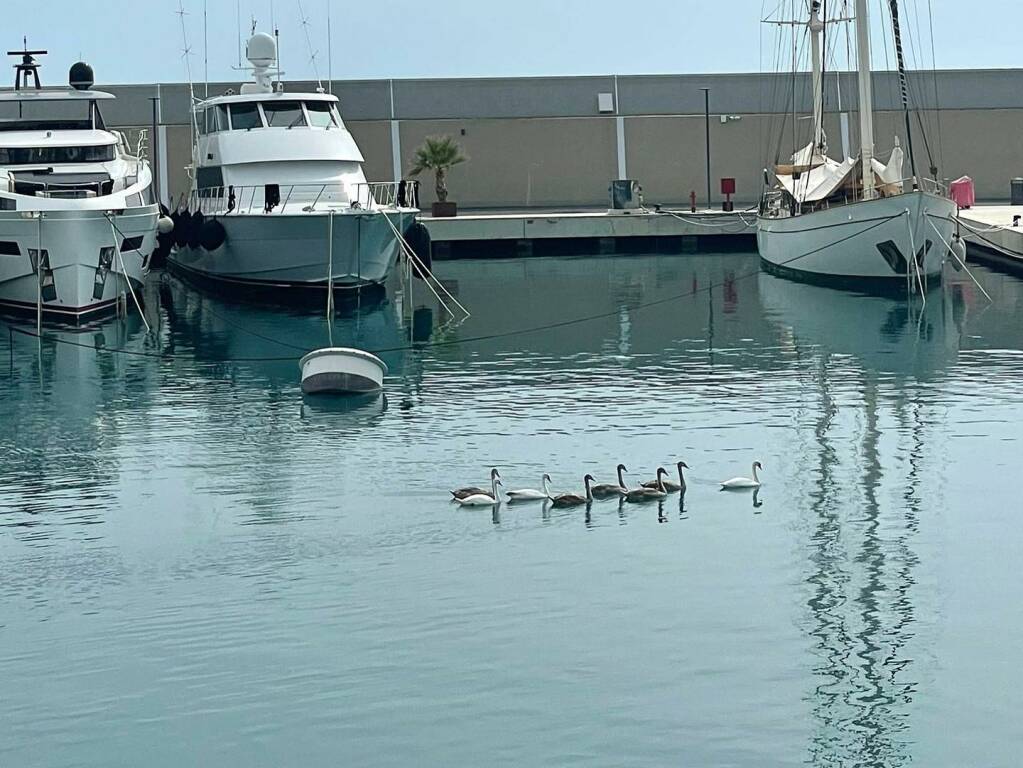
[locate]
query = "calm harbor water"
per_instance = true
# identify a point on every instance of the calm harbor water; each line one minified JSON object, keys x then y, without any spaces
{"x":201,"y":568}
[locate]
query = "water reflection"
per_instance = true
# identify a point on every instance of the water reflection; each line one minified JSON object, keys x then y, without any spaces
{"x":861,"y":600}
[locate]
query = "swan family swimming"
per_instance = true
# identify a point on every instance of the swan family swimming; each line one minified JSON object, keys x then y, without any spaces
{"x":653,"y":490}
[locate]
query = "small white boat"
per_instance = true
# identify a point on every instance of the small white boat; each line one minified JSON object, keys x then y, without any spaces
{"x":341,"y":370}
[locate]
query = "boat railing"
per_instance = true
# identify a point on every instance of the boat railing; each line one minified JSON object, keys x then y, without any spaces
{"x":294,"y":198}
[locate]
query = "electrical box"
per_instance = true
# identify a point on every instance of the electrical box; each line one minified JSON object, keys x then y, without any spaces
{"x":606,"y":103}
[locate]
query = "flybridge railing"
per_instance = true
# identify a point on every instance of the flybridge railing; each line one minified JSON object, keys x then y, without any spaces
{"x":303,"y":198}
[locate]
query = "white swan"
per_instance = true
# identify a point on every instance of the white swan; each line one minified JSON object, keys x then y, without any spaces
{"x":741,"y":483}
{"x":484,"y":499}
{"x":464,"y":493}
{"x":528,"y":494}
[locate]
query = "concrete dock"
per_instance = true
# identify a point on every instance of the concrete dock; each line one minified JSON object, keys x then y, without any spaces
{"x":526,"y":233}
{"x":995,"y":234}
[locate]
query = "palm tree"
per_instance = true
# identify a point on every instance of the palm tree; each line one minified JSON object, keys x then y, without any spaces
{"x":438,"y":154}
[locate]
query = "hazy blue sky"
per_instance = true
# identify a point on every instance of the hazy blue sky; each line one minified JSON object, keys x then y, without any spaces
{"x":141,"y":40}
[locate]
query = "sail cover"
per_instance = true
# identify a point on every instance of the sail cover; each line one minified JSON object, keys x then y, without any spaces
{"x":813,"y":177}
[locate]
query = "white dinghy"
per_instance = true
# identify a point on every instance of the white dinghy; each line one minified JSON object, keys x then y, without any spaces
{"x":342,"y":371}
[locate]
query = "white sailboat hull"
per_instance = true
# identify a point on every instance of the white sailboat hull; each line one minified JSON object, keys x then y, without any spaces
{"x":866,"y":245}
{"x":87,"y":265}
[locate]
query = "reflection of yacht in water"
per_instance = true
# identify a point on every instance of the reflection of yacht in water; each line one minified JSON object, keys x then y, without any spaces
{"x":270,"y":343}
{"x":77,"y":222}
{"x":280,"y":199}
{"x":882,"y":334}
{"x":56,"y":401}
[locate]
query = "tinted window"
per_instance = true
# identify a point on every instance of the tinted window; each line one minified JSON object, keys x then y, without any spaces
{"x":222,"y":124}
{"x":283,"y":114}
{"x":55,"y":155}
{"x":321,"y":114}
{"x":245,"y":116}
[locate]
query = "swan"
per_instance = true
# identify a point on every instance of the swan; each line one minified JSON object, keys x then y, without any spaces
{"x":649,"y":494}
{"x":740,"y":483}
{"x":670,"y":486}
{"x":574,"y":499}
{"x":464,"y":493}
{"x":529,"y":494}
{"x":484,"y":499}
{"x":607,"y":491}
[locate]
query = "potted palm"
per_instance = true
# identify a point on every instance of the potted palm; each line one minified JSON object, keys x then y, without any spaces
{"x":439,"y":154}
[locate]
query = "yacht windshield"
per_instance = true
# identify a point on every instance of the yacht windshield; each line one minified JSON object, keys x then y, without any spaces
{"x":283,"y":114}
{"x":55,"y":155}
{"x":245,"y":116}
{"x":321,"y":115}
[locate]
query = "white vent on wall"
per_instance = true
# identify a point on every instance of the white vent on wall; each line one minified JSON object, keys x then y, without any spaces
{"x":606,"y":103}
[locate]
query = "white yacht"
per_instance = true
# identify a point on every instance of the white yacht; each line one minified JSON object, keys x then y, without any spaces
{"x":279,"y":203}
{"x":858,"y":223}
{"x":77,"y":218}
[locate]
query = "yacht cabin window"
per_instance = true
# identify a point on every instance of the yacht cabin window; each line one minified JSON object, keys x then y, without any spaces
{"x":55,"y":155}
{"x":221,"y":121}
{"x":283,"y":114}
{"x":321,"y":114}
{"x":245,"y":116}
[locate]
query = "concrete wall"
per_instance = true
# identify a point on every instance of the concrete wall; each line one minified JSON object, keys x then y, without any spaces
{"x":543,"y":141}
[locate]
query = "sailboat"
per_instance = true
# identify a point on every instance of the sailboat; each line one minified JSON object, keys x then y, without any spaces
{"x":859,"y":223}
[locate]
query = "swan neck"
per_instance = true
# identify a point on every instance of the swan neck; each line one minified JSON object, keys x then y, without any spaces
{"x":621,"y":478}
{"x":756,"y":478}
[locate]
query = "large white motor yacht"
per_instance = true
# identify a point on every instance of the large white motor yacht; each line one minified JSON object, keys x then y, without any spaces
{"x":279,"y":203}
{"x":77,"y":219}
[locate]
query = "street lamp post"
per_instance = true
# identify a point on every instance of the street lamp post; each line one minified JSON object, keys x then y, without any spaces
{"x":706,"y":117}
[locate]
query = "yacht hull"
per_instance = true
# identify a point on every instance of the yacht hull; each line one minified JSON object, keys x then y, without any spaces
{"x":867,"y":245}
{"x":287,"y":256}
{"x":88,"y":261}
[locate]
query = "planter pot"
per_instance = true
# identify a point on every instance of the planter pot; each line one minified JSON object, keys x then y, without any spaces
{"x":445,"y":210}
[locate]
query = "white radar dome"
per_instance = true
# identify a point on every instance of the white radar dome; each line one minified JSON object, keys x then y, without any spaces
{"x":261,"y":50}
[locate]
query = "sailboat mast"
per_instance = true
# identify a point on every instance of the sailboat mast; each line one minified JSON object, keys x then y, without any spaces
{"x":903,"y":84}
{"x":866,"y":100}
{"x":816,"y":28}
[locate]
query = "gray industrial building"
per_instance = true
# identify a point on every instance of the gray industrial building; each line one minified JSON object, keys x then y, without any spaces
{"x":558,"y":141}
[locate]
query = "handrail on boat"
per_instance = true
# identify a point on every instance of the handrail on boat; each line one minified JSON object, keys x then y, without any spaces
{"x":370,"y":196}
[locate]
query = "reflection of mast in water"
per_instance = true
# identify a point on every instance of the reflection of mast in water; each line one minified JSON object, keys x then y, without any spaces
{"x":860,"y":609}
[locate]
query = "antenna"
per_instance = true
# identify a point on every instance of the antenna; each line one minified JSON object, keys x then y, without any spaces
{"x":205,"y":50}
{"x":277,"y":40}
{"x":28,"y":68}
{"x":309,"y":45}
{"x":186,"y":52}
{"x":330,"y":57}
{"x":238,"y":11}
